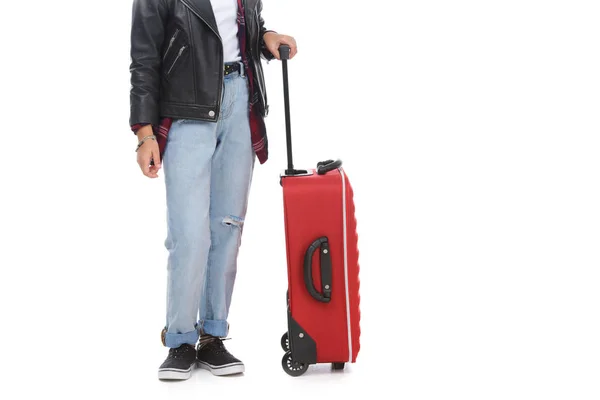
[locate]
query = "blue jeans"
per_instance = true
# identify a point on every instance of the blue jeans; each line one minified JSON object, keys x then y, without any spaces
{"x":208,"y":169}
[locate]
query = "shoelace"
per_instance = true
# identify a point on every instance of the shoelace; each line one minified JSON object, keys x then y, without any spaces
{"x":216,"y":345}
{"x":179,"y":351}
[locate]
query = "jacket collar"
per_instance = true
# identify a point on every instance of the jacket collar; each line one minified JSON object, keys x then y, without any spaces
{"x":203,"y":9}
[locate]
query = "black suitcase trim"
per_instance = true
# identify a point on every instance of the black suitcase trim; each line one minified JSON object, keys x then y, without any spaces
{"x":302,"y":346}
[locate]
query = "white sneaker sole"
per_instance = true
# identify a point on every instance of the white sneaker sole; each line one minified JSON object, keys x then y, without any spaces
{"x":221,"y":370}
{"x":174,"y":374}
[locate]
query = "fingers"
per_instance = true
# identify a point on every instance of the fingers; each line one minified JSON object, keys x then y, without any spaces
{"x":274,"y":45}
{"x":156,"y":157}
{"x":275,"y":52}
{"x":144,"y":163}
{"x":149,"y":160}
{"x":153,"y":171}
{"x":155,"y":167}
{"x":290,"y":41}
{"x":293,"y":49}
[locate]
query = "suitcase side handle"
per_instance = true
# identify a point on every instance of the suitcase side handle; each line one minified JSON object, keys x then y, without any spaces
{"x":322,"y":244}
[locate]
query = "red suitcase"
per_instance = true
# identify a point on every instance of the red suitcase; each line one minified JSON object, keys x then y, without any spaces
{"x":323,"y":301}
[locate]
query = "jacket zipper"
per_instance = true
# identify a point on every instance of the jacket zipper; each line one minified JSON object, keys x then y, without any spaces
{"x":221,"y":56}
{"x":176,"y":58}
{"x":171,"y":43}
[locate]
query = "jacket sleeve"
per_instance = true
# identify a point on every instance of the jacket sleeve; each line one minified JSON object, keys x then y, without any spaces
{"x":262,"y":30}
{"x":149,"y":18}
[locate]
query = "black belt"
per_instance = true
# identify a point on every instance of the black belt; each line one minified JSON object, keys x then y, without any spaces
{"x":232,"y":67}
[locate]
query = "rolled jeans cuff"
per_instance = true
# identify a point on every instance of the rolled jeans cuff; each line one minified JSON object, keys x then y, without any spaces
{"x":216,"y":328}
{"x":174,"y":340}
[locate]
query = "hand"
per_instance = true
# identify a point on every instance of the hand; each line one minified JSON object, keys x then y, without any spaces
{"x":274,"y":40}
{"x":148,"y":152}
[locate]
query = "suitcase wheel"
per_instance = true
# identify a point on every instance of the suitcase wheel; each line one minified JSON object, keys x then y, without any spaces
{"x":338,"y":366}
{"x":285,"y":342}
{"x":292,"y":368}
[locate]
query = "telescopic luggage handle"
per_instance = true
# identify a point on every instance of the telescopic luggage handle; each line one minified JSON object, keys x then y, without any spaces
{"x":322,"y":167}
{"x":284,"y":52}
{"x":284,"y":55}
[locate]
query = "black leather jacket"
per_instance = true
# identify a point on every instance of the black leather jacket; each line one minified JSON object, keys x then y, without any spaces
{"x":177,"y":59}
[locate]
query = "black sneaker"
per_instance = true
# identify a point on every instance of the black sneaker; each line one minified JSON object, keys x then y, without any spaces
{"x":214,"y":357}
{"x":179,"y":363}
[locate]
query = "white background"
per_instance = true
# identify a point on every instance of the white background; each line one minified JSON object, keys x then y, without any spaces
{"x":469,"y":130}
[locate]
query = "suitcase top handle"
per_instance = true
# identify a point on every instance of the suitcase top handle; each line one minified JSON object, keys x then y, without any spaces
{"x":324,"y":167}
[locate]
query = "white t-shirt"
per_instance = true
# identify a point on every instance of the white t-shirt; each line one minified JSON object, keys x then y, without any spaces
{"x":226,"y":16}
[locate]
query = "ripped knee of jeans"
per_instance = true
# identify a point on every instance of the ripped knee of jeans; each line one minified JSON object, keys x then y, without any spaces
{"x":233,"y":221}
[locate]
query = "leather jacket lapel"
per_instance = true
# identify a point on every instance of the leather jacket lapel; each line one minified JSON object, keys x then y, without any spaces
{"x":204,"y":10}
